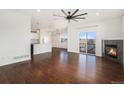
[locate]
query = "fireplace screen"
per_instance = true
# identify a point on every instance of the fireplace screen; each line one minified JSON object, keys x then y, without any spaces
{"x":111,"y":50}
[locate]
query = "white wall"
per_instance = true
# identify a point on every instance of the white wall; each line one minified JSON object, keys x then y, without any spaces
{"x":43,"y":46}
{"x":56,"y":40}
{"x":106,"y":29}
{"x":112,"y":28}
{"x":14,"y":38}
{"x":61,"y":27}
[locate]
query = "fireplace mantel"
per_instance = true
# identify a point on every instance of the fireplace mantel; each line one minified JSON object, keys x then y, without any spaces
{"x":113,"y":39}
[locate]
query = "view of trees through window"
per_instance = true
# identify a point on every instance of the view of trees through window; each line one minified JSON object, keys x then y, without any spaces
{"x":87,"y":42}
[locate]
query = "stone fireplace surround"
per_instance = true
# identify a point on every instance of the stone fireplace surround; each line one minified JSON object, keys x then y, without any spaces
{"x":119,"y":44}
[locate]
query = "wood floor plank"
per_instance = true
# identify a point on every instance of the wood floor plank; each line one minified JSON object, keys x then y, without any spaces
{"x":62,"y":67}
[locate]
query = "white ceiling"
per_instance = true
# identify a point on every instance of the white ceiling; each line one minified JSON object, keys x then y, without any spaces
{"x":46,"y":18}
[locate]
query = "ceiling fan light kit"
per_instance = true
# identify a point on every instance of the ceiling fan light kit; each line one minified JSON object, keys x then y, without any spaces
{"x":71,"y":16}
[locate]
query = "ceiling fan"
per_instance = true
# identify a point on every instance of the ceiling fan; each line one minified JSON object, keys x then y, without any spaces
{"x":72,"y":16}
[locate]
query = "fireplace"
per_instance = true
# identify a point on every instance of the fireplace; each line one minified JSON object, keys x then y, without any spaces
{"x":111,"y":51}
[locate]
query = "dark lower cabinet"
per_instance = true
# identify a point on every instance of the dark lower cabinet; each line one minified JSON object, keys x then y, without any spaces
{"x":32,"y":51}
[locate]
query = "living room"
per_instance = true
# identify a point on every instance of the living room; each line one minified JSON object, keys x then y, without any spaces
{"x":40,"y":42}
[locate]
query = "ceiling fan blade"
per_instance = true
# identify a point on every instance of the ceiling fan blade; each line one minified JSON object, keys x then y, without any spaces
{"x":75,"y":20}
{"x":80,"y":15}
{"x":79,"y":18}
{"x":64,"y":12}
{"x":75,"y":12}
{"x":58,"y":15}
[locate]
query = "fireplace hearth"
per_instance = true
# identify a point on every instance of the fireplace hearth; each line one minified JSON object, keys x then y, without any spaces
{"x":113,"y":50}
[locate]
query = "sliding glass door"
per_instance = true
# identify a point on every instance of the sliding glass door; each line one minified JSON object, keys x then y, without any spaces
{"x":87,"y":42}
{"x":83,"y":42}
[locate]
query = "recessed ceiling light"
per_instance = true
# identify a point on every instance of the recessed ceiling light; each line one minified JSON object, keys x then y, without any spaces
{"x":97,"y":14}
{"x":38,"y":10}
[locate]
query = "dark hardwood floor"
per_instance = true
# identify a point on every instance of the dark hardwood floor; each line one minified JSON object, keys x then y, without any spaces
{"x":60,"y":67}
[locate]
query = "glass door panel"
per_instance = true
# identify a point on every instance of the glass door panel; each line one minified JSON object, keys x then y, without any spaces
{"x":83,"y":42}
{"x":91,"y":39}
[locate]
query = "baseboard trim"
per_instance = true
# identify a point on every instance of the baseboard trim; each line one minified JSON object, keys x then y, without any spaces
{"x":14,"y":62}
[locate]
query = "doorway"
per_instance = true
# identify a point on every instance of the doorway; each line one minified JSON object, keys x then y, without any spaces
{"x":87,"y":42}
